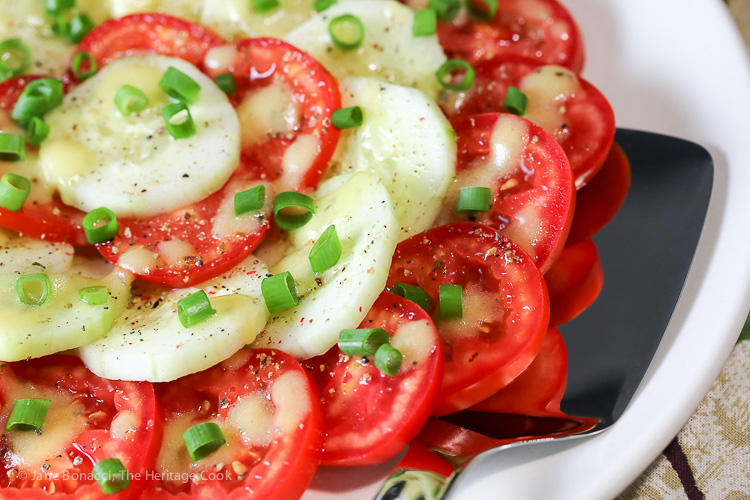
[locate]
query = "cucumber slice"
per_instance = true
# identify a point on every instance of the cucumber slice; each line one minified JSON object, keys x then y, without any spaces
{"x":24,"y":255}
{"x":186,"y":9}
{"x":235,"y":19}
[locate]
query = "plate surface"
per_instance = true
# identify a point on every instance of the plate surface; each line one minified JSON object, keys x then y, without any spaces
{"x":678,"y":68}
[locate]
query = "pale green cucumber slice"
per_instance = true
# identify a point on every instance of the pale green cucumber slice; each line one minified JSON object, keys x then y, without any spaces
{"x":234,"y":19}
{"x":24,"y":255}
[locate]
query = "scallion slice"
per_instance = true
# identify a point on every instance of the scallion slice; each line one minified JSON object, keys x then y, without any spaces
{"x":194,"y":308}
{"x":37,"y":131}
{"x":57,"y":6}
{"x":180,"y":86}
{"x":249,"y":200}
{"x":302,"y":211}
{"x":60,"y":26}
{"x":425,"y":23}
{"x":94,"y":295}
{"x":263,"y":6}
{"x":483,"y":15}
{"x":347,"y":32}
{"x":474,"y":200}
{"x":203,"y":439}
{"x":326,"y":251}
{"x":38,"y":98}
{"x":33,"y":289}
{"x":15,"y":57}
{"x":226,"y":83}
{"x":84,"y":66}
{"x":178,"y":120}
{"x":446,"y":10}
{"x":12,"y":147}
{"x":451,"y":301}
{"x":279,"y":292}
{"x":28,"y":415}
{"x":413,"y":293}
{"x":362,"y":341}
{"x":14,"y":189}
{"x":515,"y":101}
{"x":388,"y":359}
{"x":100,"y":225}
{"x":444,"y":74}
{"x":79,"y":26}
{"x":347,"y":117}
{"x":111,"y":475}
{"x":130,"y":100}
{"x":321,"y":5}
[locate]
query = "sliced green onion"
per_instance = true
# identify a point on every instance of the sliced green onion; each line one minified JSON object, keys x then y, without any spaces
{"x":302,"y":204}
{"x":130,"y":100}
{"x":94,"y":295}
{"x":483,"y":15}
{"x":33,"y":289}
{"x":279,"y":292}
{"x":326,"y":251}
{"x":28,"y":415}
{"x":451,"y":301}
{"x":178,"y":120}
{"x":263,"y":6}
{"x":445,"y":9}
{"x":57,"y":6}
{"x":249,"y":200}
{"x":15,"y":57}
{"x":474,"y":200}
{"x":194,"y":308}
{"x":388,"y":359}
{"x":14,"y":189}
{"x":362,"y":341}
{"x":445,"y":72}
{"x":79,"y":26}
{"x":321,"y":5}
{"x":5,"y":72}
{"x":347,"y":117}
{"x":515,"y":101}
{"x":413,"y":293}
{"x":84,"y":60}
{"x":37,"y":131}
{"x":226,"y":82}
{"x":347,"y":32}
{"x":12,"y":147}
{"x":111,"y":475}
{"x":39,"y":97}
{"x":100,"y":225}
{"x":60,"y":26}
{"x":425,"y":23}
{"x":180,"y":86}
{"x":203,"y":439}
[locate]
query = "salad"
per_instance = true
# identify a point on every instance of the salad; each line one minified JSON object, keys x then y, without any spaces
{"x":240,"y":239}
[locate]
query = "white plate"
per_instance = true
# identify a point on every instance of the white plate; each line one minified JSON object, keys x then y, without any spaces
{"x":678,"y":67}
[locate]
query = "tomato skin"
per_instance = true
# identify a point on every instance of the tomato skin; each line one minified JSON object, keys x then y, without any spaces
{"x":574,"y":281}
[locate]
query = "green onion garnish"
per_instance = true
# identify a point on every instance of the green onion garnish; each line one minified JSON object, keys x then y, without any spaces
{"x":302,"y":204}
{"x":82,"y":60}
{"x":263,"y":6}
{"x":347,"y":32}
{"x":321,"y":5}
{"x":14,"y":189}
{"x":130,"y":100}
{"x":279,"y":292}
{"x":445,"y":9}
{"x":473,"y":200}
{"x":451,"y":301}
{"x":203,"y":439}
{"x":194,"y":308}
{"x":515,"y":101}
{"x":178,"y":85}
{"x":178,"y":120}
{"x":388,"y":359}
{"x":33,"y":289}
{"x":226,"y":82}
{"x":60,"y":26}
{"x":249,"y":200}
{"x":111,"y":475}
{"x":57,"y":6}
{"x":15,"y":57}
{"x":326,"y":251}
{"x":347,"y":117}
{"x":94,"y":295}
{"x":425,"y":23}
{"x":78,"y":27}
{"x":482,"y":14}
{"x":445,"y":72}
{"x":12,"y":147}
{"x":37,"y":131}
{"x":100,"y":225}
{"x":39,"y":97}
{"x":28,"y":415}
{"x":362,"y":341}
{"x":413,"y":293}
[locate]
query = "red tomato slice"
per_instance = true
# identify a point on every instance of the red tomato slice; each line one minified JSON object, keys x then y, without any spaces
{"x":538,"y":391}
{"x":583,"y":122}
{"x":420,"y":458}
{"x":90,"y":419}
{"x":369,"y":416}
{"x":599,"y":200}
{"x":42,"y":216}
{"x":532,"y":186}
{"x":505,"y":307}
{"x":269,"y":413}
{"x":540,"y":29}
{"x":574,"y":282}
{"x":306,"y":86}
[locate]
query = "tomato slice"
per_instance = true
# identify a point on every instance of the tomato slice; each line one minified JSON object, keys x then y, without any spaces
{"x":538,"y":391}
{"x":572,"y":110}
{"x":541,"y":29}
{"x":268,"y":410}
{"x":44,"y":215}
{"x":532,"y":186}
{"x":285,"y":97}
{"x":505,"y":307}
{"x":90,"y":419}
{"x":599,"y":200}
{"x":574,"y":281}
{"x":370,"y":416}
